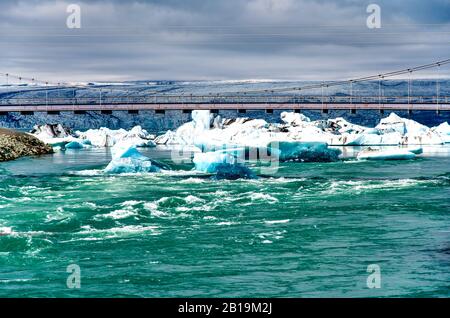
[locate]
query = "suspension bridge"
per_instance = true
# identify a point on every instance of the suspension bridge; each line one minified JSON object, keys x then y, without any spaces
{"x":286,"y":98}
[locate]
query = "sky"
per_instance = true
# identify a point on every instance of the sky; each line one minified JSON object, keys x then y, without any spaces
{"x":220,"y":39}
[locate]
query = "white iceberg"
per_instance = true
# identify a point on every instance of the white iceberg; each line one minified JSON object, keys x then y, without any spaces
{"x":105,"y":137}
{"x":294,"y":119}
{"x":395,"y":123}
{"x":443,"y":130}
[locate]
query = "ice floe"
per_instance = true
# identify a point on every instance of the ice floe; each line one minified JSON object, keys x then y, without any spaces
{"x":205,"y":129}
{"x":443,"y":130}
{"x":127,"y":159}
{"x":223,"y":164}
{"x":304,"y":151}
{"x":58,"y":136}
{"x":105,"y":137}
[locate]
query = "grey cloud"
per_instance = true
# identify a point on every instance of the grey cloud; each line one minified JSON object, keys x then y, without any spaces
{"x":221,"y":39}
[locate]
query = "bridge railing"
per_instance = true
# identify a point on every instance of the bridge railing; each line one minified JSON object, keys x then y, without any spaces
{"x":217,"y":99}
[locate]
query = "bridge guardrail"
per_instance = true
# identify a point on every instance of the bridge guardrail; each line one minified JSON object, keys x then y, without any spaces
{"x":168,"y":99}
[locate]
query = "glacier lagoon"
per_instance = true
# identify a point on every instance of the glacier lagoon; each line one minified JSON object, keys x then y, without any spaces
{"x":309,"y":230}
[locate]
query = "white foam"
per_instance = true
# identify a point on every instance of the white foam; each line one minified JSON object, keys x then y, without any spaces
{"x":277,"y":222}
{"x":263,"y":197}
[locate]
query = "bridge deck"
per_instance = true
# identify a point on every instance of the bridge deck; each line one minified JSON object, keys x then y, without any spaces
{"x":221,"y":106}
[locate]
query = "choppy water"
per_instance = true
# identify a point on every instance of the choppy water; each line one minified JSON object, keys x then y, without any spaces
{"x":311,"y":230}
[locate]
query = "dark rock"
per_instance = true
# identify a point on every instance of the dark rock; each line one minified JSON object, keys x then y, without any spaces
{"x":14,"y":144}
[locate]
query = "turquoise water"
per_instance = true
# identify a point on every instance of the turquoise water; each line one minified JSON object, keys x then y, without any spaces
{"x":311,"y":230}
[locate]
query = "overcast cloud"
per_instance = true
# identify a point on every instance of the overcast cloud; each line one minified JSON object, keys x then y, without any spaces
{"x":219,"y":39}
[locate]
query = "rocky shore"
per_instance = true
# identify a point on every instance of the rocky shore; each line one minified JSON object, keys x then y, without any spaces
{"x":14,"y":144}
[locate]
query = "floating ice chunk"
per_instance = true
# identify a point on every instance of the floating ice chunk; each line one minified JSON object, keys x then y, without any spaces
{"x":208,"y":161}
{"x":127,"y":159}
{"x":202,"y":119}
{"x":442,"y":129}
{"x":105,"y":137}
{"x":75,"y":145}
{"x":131,"y":165}
{"x":388,"y":139}
{"x":428,"y":138}
{"x":50,"y":131}
{"x":125,"y":149}
{"x":416,"y":150}
{"x":223,"y":164}
{"x":340,"y":125}
{"x":305,"y":151}
{"x":394,"y":154}
{"x":294,"y":119}
{"x":395,"y":123}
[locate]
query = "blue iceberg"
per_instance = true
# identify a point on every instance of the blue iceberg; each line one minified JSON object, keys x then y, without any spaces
{"x":223,"y":164}
{"x":304,"y":151}
{"x":127,"y":159}
{"x":74,"y":145}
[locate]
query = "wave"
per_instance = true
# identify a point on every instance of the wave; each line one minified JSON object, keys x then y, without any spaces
{"x":123,"y":231}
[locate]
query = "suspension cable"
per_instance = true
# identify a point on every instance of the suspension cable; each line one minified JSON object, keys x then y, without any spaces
{"x":344,"y":82}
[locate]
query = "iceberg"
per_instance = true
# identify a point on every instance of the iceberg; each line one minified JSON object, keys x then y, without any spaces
{"x":209,"y":132}
{"x":371,"y":139}
{"x":75,"y":145}
{"x":416,"y":150}
{"x":443,"y":130}
{"x":105,"y":137}
{"x":127,"y":159}
{"x":294,"y":119}
{"x":395,"y":123}
{"x":202,"y":119}
{"x":59,"y":136}
{"x":304,"y":151}
{"x":223,"y":164}
{"x":394,"y":154}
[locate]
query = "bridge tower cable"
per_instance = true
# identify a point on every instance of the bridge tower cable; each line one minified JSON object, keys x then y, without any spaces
{"x":438,"y":86}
